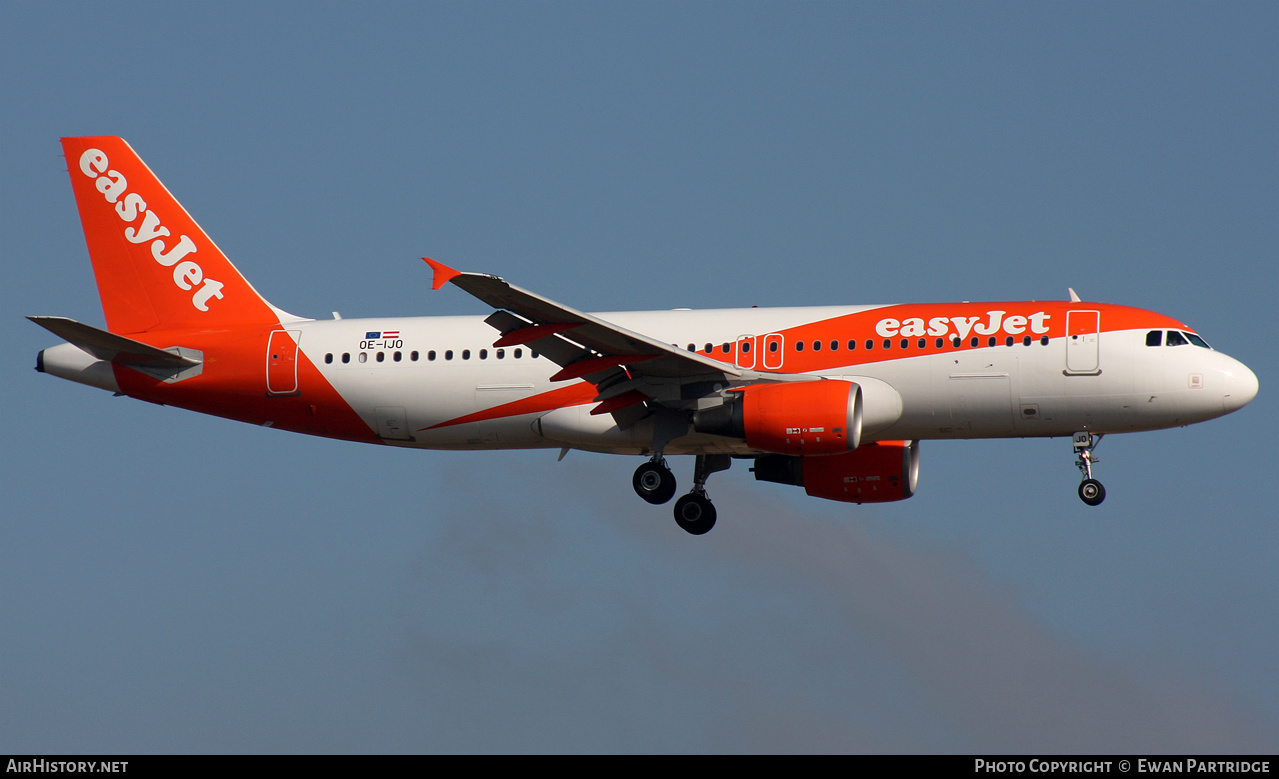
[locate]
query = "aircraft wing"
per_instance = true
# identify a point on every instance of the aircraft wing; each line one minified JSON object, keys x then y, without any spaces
{"x":627,"y":367}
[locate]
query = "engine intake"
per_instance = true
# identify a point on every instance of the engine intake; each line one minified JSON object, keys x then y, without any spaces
{"x":821,"y":417}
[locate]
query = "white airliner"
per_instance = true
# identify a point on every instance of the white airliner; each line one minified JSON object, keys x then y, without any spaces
{"x":834,"y":399}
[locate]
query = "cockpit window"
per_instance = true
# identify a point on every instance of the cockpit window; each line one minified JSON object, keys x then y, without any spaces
{"x":1196,"y":340}
{"x":1176,"y":339}
{"x":1155,"y":338}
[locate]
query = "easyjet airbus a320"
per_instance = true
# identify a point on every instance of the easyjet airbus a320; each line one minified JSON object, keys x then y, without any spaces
{"x":834,"y":399}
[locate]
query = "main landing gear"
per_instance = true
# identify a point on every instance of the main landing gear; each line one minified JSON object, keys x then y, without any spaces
{"x":694,"y":512}
{"x":1090,"y":490}
{"x":653,"y":481}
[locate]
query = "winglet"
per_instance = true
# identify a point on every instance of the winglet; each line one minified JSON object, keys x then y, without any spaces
{"x":443,"y":273}
{"x":1074,"y":296}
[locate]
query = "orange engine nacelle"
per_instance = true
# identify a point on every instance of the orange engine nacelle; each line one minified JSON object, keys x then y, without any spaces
{"x":821,"y":417}
{"x":875,"y":473}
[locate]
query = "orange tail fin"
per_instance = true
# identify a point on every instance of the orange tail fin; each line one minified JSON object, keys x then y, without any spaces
{"x":155,"y":267}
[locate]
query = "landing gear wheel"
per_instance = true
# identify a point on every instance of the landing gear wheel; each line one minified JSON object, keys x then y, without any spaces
{"x":1091,"y":492}
{"x":695,"y":513}
{"x":654,"y":482}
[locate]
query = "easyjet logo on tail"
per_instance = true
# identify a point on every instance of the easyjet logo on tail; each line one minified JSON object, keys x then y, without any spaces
{"x":187,"y":275}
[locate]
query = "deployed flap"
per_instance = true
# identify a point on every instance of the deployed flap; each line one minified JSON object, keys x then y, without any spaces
{"x":112,"y":347}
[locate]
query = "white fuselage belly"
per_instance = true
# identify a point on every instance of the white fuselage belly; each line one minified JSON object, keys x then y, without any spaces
{"x":1001,"y":391}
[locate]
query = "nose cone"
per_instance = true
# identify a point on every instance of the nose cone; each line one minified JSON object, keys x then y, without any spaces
{"x":1241,"y":386}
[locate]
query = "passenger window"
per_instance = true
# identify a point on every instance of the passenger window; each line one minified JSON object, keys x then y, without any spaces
{"x":939,"y":342}
{"x":413,"y":356}
{"x":692,"y":348}
{"x":746,"y":347}
{"x":799,"y":346}
{"x":869,"y":344}
{"x":817,"y":346}
{"x":905,"y":342}
{"x":1175,"y":339}
{"x":484,"y":354}
{"x":888,"y":343}
{"x":1044,"y":341}
{"x":851,"y":344}
{"x":328,"y":358}
{"x":448,"y":354}
{"x":519,"y":353}
{"x":381,"y":356}
{"x":466,"y":354}
{"x":975,"y":340}
{"x":346,"y":357}
{"x":772,"y":347}
{"x":500,"y":354}
{"x":1025,"y":340}
{"x":724,"y":348}
{"x":430,"y":356}
{"x":397,"y":356}
{"x":364,"y":357}
{"x":956,"y":342}
{"x":923,"y":342}
{"x":992,"y":341}
{"x":834,"y":346}
{"x":1155,"y":338}
{"x":1008,"y":341}
{"x":709,"y":348}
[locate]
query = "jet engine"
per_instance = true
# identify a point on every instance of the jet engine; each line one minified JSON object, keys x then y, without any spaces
{"x":875,"y":473}
{"x":821,"y":417}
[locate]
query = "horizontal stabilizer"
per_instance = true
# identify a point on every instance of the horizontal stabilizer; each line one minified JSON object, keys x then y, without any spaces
{"x":111,"y":347}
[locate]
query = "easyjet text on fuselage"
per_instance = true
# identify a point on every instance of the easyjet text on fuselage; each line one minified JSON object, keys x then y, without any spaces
{"x":960,"y":326}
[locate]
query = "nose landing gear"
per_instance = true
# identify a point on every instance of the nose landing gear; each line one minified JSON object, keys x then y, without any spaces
{"x":1090,"y":490}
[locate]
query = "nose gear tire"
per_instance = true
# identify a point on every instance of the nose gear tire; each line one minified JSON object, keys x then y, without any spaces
{"x":1091,"y":492}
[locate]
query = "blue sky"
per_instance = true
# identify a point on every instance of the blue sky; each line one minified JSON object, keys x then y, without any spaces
{"x":175,"y":583}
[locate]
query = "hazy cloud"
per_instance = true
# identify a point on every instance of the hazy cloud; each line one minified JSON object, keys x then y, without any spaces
{"x":779,"y":631}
